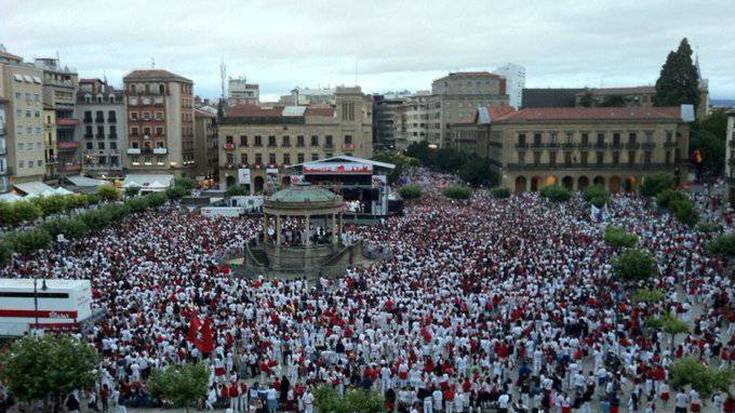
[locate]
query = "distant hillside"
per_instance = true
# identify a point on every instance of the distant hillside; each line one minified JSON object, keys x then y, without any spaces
{"x":722,"y":103}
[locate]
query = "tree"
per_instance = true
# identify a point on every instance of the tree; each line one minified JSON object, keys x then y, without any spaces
{"x":51,"y":205}
{"x":678,"y":82}
{"x":38,"y":368}
{"x":665,"y":198}
{"x":722,"y":245}
{"x":400,"y":161}
{"x":26,"y":242}
{"x":327,"y":400}
{"x":236,"y":190}
{"x":457,"y":192}
{"x":634,"y":264}
{"x":617,"y":237}
{"x":709,"y":136}
{"x":410,"y":191}
{"x":655,"y":184}
{"x":685,"y":212}
{"x":108,"y":193}
{"x":184,"y":182}
{"x":647,"y":295}
{"x":500,"y":192}
{"x":688,"y":371}
{"x":71,"y":228}
{"x":708,"y":227}
{"x":177,"y":192}
{"x":6,"y":251}
{"x":132,"y":191}
{"x":587,"y":100}
{"x":182,"y":385}
{"x":476,"y":171}
{"x":555,"y":193}
{"x":614,"y":101}
{"x":669,"y":324}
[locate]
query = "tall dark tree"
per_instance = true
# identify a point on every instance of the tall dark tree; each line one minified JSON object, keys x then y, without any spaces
{"x":679,"y":81}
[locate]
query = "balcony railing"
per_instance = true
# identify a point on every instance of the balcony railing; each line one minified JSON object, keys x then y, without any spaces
{"x":632,"y":145}
{"x":229,"y":146}
{"x":100,"y":136}
{"x":648,"y":145}
{"x":99,"y":120}
{"x":112,"y":120}
{"x":588,"y":166}
{"x":328,"y":146}
{"x":88,"y":136}
{"x":523,"y":145}
{"x":600,"y":145}
{"x":616,"y":145}
{"x":67,"y":145}
{"x":348,"y":147}
{"x":669,"y":144}
{"x":87,"y":120}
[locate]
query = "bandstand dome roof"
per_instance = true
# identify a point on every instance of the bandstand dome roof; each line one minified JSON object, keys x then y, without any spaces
{"x":302,"y":194}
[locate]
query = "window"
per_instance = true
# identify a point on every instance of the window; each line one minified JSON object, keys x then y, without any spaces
{"x":272,"y":158}
{"x":348,"y":140}
{"x":146,"y":115}
{"x":99,"y":116}
{"x":583,"y":157}
{"x":134,"y":131}
{"x":328,"y":141}
{"x":668,"y":157}
{"x":286,"y":159}
{"x":244,"y":158}
{"x":537,"y":158}
{"x":567,"y":157}
{"x":300,"y":157}
{"x":159,"y":115}
{"x":616,"y":139}
{"x":616,"y":158}
{"x":600,"y":157}
{"x":522,"y":139}
{"x":553,"y":137}
{"x":111,"y":116}
{"x":90,"y":145}
{"x":272,"y":141}
{"x":243,"y":141}
{"x":228,"y":140}
{"x":134,"y":115}
{"x":631,"y":157}
{"x":552,"y":158}
{"x":100,"y":131}
{"x":113,"y":145}
{"x":258,"y":158}
{"x":314,"y":140}
{"x":87,"y":116}
{"x":521,"y":158}
{"x":314,"y":156}
{"x":286,"y":140}
{"x":647,"y":155}
{"x":570,"y":137}
{"x":258,"y":140}
{"x":600,"y":138}
{"x":632,"y":138}
{"x":161,"y":89}
{"x":585,"y":138}
{"x":147,"y":132}
{"x":537,"y":139}
{"x":300,"y":141}
{"x":100,"y":145}
{"x":21,"y":164}
{"x":159,"y":131}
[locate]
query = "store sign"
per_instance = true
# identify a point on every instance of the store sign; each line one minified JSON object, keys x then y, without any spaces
{"x":243,"y":176}
{"x":329,"y":168}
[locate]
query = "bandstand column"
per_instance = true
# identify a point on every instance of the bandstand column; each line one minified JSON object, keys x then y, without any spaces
{"x":307,"y":241}
{"x":278,"y":230}
{"x":265,"y":227}
{"x":335,"y":233}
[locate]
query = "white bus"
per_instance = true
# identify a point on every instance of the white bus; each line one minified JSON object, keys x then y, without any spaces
{"x":62,"y":305}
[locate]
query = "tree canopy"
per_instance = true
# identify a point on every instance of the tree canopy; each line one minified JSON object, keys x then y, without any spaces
{"x":678,"y":82}
{"x":182,"y":385}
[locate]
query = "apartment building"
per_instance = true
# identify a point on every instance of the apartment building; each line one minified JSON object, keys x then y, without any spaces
{"x":411,"y":120}
{"x":21,"y":84}
{"x":515,"y":78}
{"x":160,"y":119}
{"x":59,"y":92}
{"x":730,"y":155}
{"x":309,"y":96}
{"x":240,"y":92}
{"x":49,"y":142}
{"x":456,"y":97}
{"x":206,"y":152}
{"x":101,"y":108}
{"x":4,"y":179}
{"x":384,"y":118}
{"x":578,"y":147}
{"x":264,"y":140}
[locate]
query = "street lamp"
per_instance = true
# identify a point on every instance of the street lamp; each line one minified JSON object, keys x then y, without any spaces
{"x":35,"y":296}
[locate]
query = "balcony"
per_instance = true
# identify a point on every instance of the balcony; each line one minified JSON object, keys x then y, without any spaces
{"x":632,"y":145}
{"x":328,"y":146}
{"x":229,"y":146}
{"x":112,"y":136}
{"x":160,"y":151}
{"x":72,"y":167}
{"x":669,"y":144}
{"x":99,"y":120}
{"x":648,"y":145}
{"x":133,"y":151}
{"x":112,"y":120}
{"x":600,"y":145}
{"x":68,"y":122}
{"x":100,"y":136}
{"x":88,"y":136}
{"x":348,"y":147}
{"x":87,"y":120}
{"x":67,"y":145}
{"x":522,"y":145}
{"x":616,"y":145}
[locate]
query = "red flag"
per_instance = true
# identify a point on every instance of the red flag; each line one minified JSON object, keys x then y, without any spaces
{"x":206,"y":343}
{"x":194,"y":325}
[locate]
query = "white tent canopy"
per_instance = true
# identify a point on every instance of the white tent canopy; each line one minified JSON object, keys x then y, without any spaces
{"x":84,"y":181}
{"x":154,"y":183}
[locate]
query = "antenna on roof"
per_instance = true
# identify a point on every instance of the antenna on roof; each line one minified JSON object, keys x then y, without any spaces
{"x":104,"y":77}
{"x":223,"y":74}
{"x":58,"y":59}
{"x":153,"y":62}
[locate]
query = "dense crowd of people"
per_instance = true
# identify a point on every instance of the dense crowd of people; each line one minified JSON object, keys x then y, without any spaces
{"x":503,"y":303}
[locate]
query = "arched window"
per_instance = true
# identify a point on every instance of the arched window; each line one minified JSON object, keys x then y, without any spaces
{"x":112,"y":98}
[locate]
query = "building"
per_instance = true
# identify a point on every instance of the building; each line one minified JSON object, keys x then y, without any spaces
{"x":160,"y":119}
{"x":578,"y":147}
{"x":59,"y":92}
{"x":457,"y":95}
{"x":515,"y":79}
{"x":256,"y":142}
{"x":630,"y":96}
{"x":4,"y":180}
{"x":49,"y":141}
{"x":206,"y":153}
{"x":550,"y":97}
{"x":241,"y":92}
{"x":21,"y":85}
{"x":730,"y":154}
{"x":411,"y":120}
{"x":384,"y":119}
{"x":306,"y":96}
{"x":104,"y":127}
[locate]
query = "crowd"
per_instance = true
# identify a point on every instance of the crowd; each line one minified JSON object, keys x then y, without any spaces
{"x":503,"y":303}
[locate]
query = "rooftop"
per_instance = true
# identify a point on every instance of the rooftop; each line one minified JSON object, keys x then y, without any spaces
{"x":620,"y":90}
{"x":302,"y":194}
{"x":593,"y":113}
{"x":155,"y":75}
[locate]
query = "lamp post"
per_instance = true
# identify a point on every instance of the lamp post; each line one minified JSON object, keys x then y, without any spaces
{"x":35,"y":296}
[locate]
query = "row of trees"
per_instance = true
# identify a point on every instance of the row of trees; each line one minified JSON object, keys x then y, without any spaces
{"x":472,"y":168}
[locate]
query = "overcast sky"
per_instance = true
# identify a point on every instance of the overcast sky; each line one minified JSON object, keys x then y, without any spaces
{"x":393,"y":44}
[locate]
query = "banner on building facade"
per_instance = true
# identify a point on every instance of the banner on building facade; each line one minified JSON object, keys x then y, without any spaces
{"x":329,"y":168}
{"x":243,"y":176}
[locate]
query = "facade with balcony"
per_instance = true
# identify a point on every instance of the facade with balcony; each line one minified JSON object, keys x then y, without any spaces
{"x":730,"y":155}
{"x":101,"y":110}
{"x":270,"y":138}
{"x":578,"y":147}
{"x":4,"y":180}
{"x":160,"y":121}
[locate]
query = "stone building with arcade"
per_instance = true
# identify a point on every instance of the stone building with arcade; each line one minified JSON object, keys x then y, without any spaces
{"x":577,"y":147}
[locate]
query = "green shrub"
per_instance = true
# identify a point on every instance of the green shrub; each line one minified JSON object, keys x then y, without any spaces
{"x":634,"y":264}
{"x":667,"y":196}
{"x":500,"y":192}
{"x":410,"y":191}
{"x":600,"y":201}
{"x":6,"y":251}
{"x":722,"y":245}
{"x":457,"y":192}
{"x":647,"y":295}
{"x":132,"y":191}
{"x":556,"y":193}
{"x":184,"y":182}
{"x":684,"y":211}
{"x":54,"y":204}
{"x":655,"y":184}
{"x":617,"y":237}
{"x":709,"y":227}
{"x":156,"y":199}
{"x":177,"y":192}
{"x":25,"y":242}
{"x":688,"y":371}
{"x":236,"y":190}
{"x":136,"y":205}
{"x":595,"y":191}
